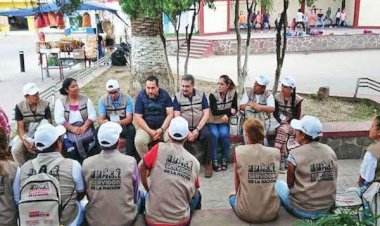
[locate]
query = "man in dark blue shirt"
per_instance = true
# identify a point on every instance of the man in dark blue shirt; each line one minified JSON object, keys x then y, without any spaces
{"x":153,"y":112}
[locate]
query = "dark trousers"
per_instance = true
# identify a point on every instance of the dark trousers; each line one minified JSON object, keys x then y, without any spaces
{"x":128,"y":133}
{"x":302,"y":24}
{"x":204,"y":138}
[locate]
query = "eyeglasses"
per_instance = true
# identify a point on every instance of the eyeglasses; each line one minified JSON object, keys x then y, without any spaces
{"x":113,"y":92}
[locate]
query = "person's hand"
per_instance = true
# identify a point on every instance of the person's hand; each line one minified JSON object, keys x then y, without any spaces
{"x":82,"y":129}
{"x":256,"y":107}
{"x":29,"y":147}
{"x":190,"y":136}
{"x":76,"y":130}
{"x":225,"y":118}
{"x":283,"y":122}
{"x":158,"y":134}
{"x":195,"y":134}
{"x":152,"y":133}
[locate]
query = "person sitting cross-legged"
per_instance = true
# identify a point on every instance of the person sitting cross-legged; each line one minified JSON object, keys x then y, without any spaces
{"x":256,"y":171}
{"x":172,"y":191}
{"x":310,"y":189}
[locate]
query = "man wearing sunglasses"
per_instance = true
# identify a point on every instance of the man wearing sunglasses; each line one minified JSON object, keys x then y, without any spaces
{"x":29,"y":114}
{"x":117,"y":107}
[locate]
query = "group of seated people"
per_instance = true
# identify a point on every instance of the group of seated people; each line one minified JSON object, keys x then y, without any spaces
{"x":168,"y":172}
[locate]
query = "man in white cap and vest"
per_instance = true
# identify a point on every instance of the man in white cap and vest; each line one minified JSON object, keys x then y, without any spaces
{"x":173,"y":179}
{"x":310,"y":189}
{"x":29,"y":113}
{"x":257,"y":102}
{"x":111,"y":177}
{"x":117,"y":107}
{"x":48,"y":142}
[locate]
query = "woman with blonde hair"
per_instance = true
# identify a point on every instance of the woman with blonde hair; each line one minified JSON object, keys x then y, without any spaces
{"x":256,"y":171}
{"x":8,"y":168}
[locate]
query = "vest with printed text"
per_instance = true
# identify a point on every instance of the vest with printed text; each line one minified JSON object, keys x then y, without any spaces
{"x":8,"y":208}
{"x":82,"y":102}
{"x":191,"y":109}
{"x":109,"y":179}
{"x":249,"y":113}
{"x":112,"y":109}
{"x":285,"y":107}
{"x":315,"y":177}
{"x":63,"y":173}
{"x":29,"y":116}
{"x":221,"y":105}
{"x":172,"y":184}
{"x":257,"y":167}
{"x":375,"y":150}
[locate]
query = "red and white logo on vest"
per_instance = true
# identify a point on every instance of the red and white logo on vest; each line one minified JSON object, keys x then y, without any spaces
{"x":37,"y":190}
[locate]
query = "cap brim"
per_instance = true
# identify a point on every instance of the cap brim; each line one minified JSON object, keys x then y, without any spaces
{"x":33,"y":92}
{"x":60,"y":130}
{"x":296,"y":124}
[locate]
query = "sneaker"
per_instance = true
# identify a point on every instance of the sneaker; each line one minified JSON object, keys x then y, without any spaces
{"x":224,"y":164}
{"x":208,"y":170}
{"x":215,"y":166}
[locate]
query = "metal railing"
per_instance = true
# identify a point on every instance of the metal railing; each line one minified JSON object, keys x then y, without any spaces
{"x":366,"y":83}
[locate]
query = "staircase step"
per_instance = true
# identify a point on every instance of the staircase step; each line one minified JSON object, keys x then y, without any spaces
{"x":194,"y":48}
{"x":192,"y":51}
{"x":191,"y":55}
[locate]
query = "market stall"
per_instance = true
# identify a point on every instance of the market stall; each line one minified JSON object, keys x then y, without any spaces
{"x":79,"y":41}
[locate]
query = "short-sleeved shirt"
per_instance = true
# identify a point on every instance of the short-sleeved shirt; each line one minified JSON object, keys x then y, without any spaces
{"x":368,"y":167}
{"x":102,"y":110}
{"x":150,"y":159}
{"x":153,"y":110}
{"x":19,"y":117}
{"x":245,"y":99}
{"x":177,"y":105}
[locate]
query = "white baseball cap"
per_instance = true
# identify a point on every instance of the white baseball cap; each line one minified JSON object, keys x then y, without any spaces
{"x":112,"y":84}
{"x":46,"y":135}
{"x":288,"y":81}
{"x":109,"y":134}
{"x":30,"y":89}
{"x":178,"y":128}
{"x":309,"y":125}
{"x":262,"y":80}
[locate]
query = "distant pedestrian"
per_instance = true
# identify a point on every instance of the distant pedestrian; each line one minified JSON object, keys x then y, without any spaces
{"x":320,"y":20}
{"x":4,"y":122}
{"x":313,"y":14}
{"x":300,"y":19}
{"x":337,"y":18}
{"x":242,"y":20}
{"x":343,"y":16}
{"x":277,"y":21}
{"x":258,"y":19}
{"x":266,"y":22}
{"x":328,"y":16}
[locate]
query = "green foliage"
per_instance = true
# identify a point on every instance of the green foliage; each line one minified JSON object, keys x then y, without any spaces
{"x":346,"y":217}
{"x":268,"y":4}
{"x":309,"y":3}
{"x":68,"y":7}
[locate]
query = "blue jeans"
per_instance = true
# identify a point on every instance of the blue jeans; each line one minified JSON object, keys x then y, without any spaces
{"x":232,"y":201}
{"x":219,"y":133}
{"x":320,"y":21}
{"x":283,"y":193}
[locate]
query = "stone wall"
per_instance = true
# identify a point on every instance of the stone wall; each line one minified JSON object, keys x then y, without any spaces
{"x":302,"y":44}
{"x":348,"y":147}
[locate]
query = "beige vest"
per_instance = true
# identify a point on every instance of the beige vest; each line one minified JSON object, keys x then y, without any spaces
{"x":172,"y":184}
{"x":257,"y":168}
{"x":191,"y":110}
{"x":375,"y":150}
{"x":82,"y":107}
{"x":249,"y":113}
{"x":63,"y":173}
{"x":221,"y":105}
{"x":112,"y":110}
{"x":28,"y":115}
{"x":8,"y":207}
{"x":286,"y":107}
{"x":108,"y":178}
{"x":315,"y":177}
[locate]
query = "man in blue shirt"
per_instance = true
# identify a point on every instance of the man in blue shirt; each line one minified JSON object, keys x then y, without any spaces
{"x":153,"y":112}
{"x":118,"y":107}
{"x":192,"y":105}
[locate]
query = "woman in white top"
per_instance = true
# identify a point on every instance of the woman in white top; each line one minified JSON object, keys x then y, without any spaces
{"x":77,"y":114}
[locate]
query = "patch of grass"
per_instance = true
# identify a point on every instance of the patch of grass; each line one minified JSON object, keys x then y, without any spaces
{"x":331,"y":110}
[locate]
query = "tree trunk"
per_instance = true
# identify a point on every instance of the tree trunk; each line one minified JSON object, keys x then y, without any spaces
{"x":177,"y":26}
{"x":190,"y":34}
{"x":281,"y":42}
{"x":148,"y":54}
{"x":238,"y":38}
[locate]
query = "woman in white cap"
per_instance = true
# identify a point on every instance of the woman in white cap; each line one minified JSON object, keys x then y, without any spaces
{"x":310,"y":189}
{"x":256,"y":172}
{"x":77,"y":114}
{"x":287,"y":107}
{"x":8,"y":209}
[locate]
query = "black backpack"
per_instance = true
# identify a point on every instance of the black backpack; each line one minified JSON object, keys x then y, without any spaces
{"x":118,"y":58}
